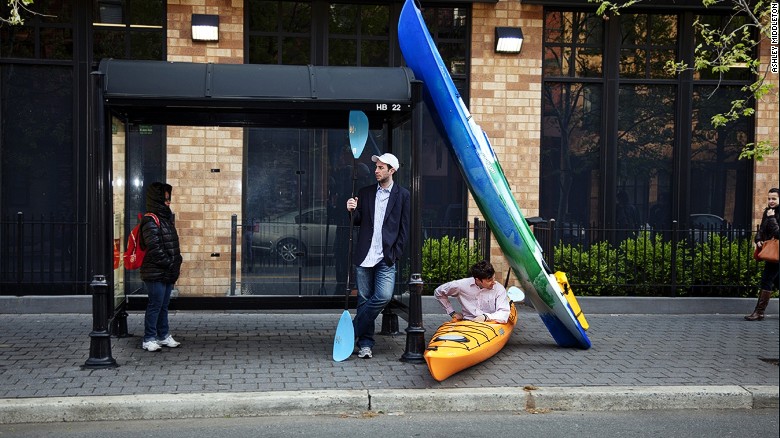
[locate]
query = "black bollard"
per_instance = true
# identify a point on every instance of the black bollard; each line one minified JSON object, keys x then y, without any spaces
{"x":99,"y":338}
{"x":119,"y":326}
{"x":415,"y":332}
{"x":389,"y":322}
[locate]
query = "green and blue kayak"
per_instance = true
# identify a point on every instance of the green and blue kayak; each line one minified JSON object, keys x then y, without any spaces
{"x":487,"y":182}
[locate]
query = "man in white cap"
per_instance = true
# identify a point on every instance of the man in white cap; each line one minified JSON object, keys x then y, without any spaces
{"x":383,"y":216}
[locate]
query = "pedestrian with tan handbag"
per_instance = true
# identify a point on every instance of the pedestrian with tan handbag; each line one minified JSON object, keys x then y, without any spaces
{"x":767,"y":249}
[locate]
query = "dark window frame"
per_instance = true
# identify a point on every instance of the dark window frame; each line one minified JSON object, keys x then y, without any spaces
{"x":685,"y":83}
{"x":128,"y":31}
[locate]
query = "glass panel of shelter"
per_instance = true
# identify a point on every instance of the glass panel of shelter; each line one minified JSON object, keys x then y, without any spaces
{"x":139,"y":159}
{"x":296,"y":185}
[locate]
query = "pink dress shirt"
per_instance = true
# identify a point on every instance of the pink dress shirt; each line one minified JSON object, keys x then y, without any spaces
{"x":474,"y":301}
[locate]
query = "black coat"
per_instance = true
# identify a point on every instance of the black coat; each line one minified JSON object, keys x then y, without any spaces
{"x":395,"y":229}
{"x":769,"y":227}
{"x":162,"y":262}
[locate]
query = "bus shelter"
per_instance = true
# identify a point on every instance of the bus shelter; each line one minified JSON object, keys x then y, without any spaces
{"x":240,"y":95}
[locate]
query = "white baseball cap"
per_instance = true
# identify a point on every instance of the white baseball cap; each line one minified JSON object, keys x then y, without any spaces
{"x":386,"y":158}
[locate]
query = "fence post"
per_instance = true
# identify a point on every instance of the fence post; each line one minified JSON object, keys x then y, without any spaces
{"x":482,"y":238}
{"x":551,"y":241}
{"x":476,"y":236}
{"x":673,"y":268}
{"x":19,"y":247}
{"x":233,"y":233}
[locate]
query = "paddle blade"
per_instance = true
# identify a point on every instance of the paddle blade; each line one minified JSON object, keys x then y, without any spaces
{"x":344,"y":342}
{"x":515,"y":294}
{"x":358,"y":132}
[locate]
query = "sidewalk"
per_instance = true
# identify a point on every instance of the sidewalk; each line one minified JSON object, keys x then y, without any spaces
{"x":240,"y":364}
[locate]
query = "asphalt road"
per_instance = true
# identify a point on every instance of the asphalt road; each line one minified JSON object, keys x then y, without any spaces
{"x":668,"y":424}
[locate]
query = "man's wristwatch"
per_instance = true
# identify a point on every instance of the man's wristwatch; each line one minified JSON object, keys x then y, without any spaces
{"x":453,"y":313}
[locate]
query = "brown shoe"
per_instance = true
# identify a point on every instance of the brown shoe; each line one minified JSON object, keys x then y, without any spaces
{"x":763,"y":301}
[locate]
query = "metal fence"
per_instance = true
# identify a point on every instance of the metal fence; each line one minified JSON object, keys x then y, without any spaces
{"x":48,"y":256}
{"x":305,"y":258}
{"x":41,"y":256}
{"x":706,"y":261}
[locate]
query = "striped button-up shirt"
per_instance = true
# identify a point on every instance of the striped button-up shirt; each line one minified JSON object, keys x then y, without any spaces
{"x":375,"y":253}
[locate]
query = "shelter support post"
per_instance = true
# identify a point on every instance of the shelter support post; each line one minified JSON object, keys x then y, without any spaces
{"x":101,"y":249}
{"x":415,"y":332}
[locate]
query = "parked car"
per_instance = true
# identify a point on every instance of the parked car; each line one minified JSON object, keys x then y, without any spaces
{"x":702,"y":224}
{"x":296,"y":234}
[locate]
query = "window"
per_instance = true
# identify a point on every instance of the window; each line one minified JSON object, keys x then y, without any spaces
{"x":37,"y":138}
{"x":571,"y":145}
{"x":571,"y":118}
{"x":278,"y":32}
{"x":720,"y":22}
{"x":647,"y":43}
{"x":129,"y":29}
{"x":46,"y":35}
{"x":718,"y":177}
{"x":642,"y":134}
{"x":573,"y":44}
{"x":359,"y":35}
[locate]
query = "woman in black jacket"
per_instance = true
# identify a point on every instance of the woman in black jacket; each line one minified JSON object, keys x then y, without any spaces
{"x":769,"y":278}
{"x":161,"y":266}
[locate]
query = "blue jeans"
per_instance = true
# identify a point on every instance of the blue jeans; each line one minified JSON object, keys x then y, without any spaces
{"x":156,"y":320}
{"x":375,"y":289}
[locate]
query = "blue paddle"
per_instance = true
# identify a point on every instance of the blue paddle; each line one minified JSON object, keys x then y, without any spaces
{"x":344,"y":342}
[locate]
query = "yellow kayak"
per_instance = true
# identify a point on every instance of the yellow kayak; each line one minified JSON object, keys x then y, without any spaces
{"x":569,"y":294}
{"x":457,"y":345}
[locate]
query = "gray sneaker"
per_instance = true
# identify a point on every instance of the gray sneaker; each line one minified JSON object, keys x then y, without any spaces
{"x":365,"y":353}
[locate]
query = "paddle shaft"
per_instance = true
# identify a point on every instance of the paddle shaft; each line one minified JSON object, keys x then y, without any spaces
{"x":351,"y":227}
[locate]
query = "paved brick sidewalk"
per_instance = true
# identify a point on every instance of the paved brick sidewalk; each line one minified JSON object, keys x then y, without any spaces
{"x":41,"y":355}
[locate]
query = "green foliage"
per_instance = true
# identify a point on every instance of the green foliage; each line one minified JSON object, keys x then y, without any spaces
{"x":595,"y":268}
{"x":648,"y":265}
{"x":446,"y":259}
{"x":724,"y":262}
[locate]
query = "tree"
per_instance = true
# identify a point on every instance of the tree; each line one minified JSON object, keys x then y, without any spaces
{"x":722,"y":47}
{"x":14,"y":18}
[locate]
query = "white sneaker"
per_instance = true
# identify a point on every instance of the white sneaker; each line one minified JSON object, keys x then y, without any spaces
{"x":151,"y":345}
{"x":365,"y":353}
{"x":169,"y":342}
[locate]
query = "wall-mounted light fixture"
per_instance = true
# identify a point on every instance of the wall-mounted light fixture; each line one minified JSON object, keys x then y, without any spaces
{"x":509,"y":39}
{"x":205,"y":27}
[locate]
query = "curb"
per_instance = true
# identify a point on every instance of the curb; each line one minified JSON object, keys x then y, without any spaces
{"x":177,"y":406}
{"x":338,"y":402}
